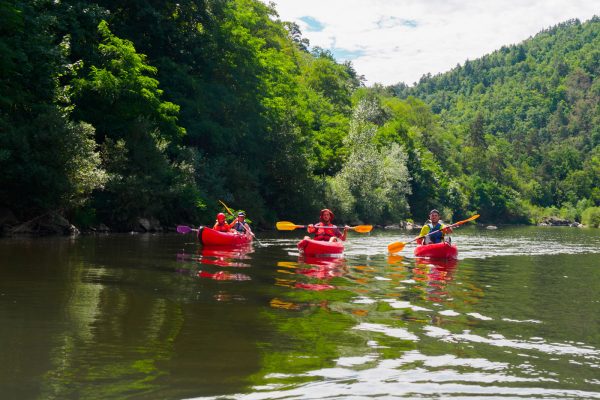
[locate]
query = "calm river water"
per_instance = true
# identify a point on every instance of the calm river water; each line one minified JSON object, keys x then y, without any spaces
{"x":159,"y":317}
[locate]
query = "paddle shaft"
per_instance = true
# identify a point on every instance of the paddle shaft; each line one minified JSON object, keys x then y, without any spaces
{"x":398,"y":246}
{"x":454,"y":225}
{"x":438,"y":230}
{"x":227,"y":208}
{"x":290,"y":226}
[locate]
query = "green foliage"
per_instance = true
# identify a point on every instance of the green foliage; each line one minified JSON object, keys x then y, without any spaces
{"x":148,"y":175}
{"x":591,"y":217}
{"x":373,"y":183}
{"x":526,"y":116}
{"x":48,"y":162}
{"x":180,"y":104}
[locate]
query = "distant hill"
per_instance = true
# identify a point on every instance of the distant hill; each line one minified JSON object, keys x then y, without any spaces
{"x":527,"y":116}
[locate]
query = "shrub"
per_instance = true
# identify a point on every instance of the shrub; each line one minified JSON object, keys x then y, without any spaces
{"x":591,"y":217}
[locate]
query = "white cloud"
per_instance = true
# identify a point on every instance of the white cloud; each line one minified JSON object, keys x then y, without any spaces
{"x":401,"y":40}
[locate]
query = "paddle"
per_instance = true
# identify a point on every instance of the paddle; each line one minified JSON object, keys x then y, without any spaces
{"x":290,"y":226}
{"x":227,"y":208}
{"x":398,"y":246}
{"x":231,"y":213}
{"x":185,"y":229}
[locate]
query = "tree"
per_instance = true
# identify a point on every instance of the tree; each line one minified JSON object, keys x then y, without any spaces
{"x":48,"y":162}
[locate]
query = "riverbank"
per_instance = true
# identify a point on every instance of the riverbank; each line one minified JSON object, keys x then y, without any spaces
{"x":53,"y":223}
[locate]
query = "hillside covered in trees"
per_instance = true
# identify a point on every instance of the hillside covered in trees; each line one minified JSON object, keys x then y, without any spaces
{"x":112,"y":111}
{"x":527,"y":123}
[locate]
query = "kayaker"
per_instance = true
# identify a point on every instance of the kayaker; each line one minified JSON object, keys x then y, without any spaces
{"x":240,"y":225}
{"x":434,"y":225}
{"x":221,"y":224}
{"x":332,"y":234}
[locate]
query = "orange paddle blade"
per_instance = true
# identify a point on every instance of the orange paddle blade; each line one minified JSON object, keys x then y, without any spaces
{"x":396,"y":247}
{"x":361,"y":228}
{"x":287,"y":226}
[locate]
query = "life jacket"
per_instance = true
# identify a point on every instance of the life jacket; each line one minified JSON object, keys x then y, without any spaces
{"x":238,"y":226}
{"x":437,"y":237}
{"x":326,"y":234}
{"x":222,"y":227}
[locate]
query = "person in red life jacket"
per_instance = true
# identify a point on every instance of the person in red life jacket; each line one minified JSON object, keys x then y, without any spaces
{"x":331,"y":234}
{"x":240,"y":225}
{"x":221,"y":224}
{"x":434,"y":225}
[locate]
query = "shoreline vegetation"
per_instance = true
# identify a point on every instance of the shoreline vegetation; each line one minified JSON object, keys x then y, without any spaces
{"x":108,"y":124}
{"x":52,"y":223}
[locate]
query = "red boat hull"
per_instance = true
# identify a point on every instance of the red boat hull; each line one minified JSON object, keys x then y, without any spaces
{"x":210,"y":237}
{"x":443,"y":250}
{"x":318,"y":247}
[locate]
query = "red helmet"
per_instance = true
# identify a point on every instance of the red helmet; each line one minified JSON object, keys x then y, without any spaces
{"x":326,"y":210}
{"x":220,"y":217}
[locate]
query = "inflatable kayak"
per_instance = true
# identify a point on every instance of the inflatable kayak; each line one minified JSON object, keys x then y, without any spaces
{"x":317,"y":247}
{"x":210,"y":237}
{"x":437,"y":250}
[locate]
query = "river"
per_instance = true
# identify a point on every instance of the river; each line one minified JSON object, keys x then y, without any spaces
{"x":159,"y":317}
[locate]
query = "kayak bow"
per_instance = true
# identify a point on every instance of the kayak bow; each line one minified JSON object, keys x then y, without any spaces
{"x":442,"y":250}
{"x":320,"y":247}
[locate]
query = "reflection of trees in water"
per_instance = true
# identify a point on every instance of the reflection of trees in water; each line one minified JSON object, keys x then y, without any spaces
{"x":113,"y":335}
{"x":136,"y":327}
{"x":361,"y":315}
{"x":320,"y":326}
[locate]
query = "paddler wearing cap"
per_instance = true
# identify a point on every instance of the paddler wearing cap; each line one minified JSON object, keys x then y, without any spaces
{"x":332,"y":234}
{"x":240,"y":225}
{"x":434,"y":225}
{"x":221,"y":224}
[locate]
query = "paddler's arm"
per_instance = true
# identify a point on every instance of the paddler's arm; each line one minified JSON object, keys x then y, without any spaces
{"x":343,"y":237}
{"x":424,"y":231}
{"x":446,"y":229}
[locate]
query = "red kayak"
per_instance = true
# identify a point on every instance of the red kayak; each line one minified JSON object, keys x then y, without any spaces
{"x":442,"y":250}
{"x":210,"y":237}
{"x":318,"y":247}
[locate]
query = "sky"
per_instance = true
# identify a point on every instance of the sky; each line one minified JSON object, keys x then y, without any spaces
{"x":392,"y":41}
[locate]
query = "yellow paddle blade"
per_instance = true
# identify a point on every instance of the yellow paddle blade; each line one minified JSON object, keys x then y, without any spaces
{"x":362,"y":228}
{"x":227,"y":208}
{"x":396,"y":247}
{"x":393,"y":259}
{"x":471,"y":218}
{"x":466,"y":220}
{"x":286,"y":226}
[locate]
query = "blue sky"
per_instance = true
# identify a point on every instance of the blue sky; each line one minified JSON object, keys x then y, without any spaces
{"x":391,"y":41}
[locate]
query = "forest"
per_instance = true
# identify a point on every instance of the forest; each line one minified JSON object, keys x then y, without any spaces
{"x":115,"y":111}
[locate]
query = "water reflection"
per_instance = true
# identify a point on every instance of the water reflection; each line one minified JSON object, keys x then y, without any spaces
{"x":437,"y":274}
{"x":311,"y":273}
{"x":110,"y":318}
{"x":219,"y":256}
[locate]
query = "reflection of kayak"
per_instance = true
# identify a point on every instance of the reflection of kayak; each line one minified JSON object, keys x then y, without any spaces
{"x":321,"y":267}
{"x":439,"y":264}
{"x":210,"y":237}
{"x":225,"y":256}
{"x":437,"y":250}
{"x":316,"y":247}
{"x":238,"y":252}
{"x":335,"y":261}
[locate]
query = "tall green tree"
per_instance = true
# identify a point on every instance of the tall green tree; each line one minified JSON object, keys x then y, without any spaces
{"x":139,"y":135}
{"x":48,"y":162}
